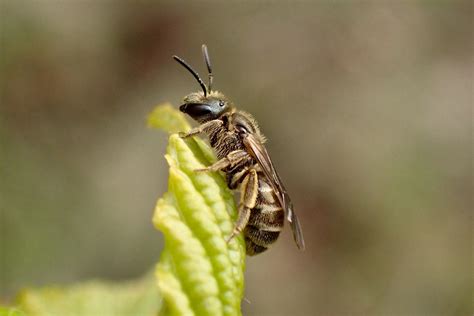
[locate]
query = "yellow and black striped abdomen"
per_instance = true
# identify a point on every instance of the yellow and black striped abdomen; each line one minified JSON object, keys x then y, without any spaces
{"x":266,"y":219}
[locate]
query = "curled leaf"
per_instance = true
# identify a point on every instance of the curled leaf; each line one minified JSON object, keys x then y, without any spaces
{"x":199,"y":273}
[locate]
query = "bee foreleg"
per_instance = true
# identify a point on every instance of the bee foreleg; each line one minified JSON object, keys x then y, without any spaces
{"x":201,"y":128}
{"x":231,"y":159}
{"x":248,"y":199}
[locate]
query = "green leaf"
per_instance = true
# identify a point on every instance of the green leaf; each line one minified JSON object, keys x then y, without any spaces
{"x":165,"y":117}
{"x":10,"y":311}
{"x":139,"y":297}
{"x":199,"y":273}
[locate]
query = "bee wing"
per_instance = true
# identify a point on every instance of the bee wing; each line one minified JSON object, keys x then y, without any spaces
{"x":258,"y":151}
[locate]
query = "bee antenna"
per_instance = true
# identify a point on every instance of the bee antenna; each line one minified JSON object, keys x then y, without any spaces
{"x":205,"y":53}
{"x":193,"y":72}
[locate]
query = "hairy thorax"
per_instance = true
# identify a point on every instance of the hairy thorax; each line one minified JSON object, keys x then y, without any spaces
{"x":224,"y":138}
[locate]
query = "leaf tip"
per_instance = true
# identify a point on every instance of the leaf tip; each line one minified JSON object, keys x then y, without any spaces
{"x":168,"y":119}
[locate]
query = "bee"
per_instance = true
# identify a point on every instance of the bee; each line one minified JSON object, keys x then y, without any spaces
{"x":239,"y":146}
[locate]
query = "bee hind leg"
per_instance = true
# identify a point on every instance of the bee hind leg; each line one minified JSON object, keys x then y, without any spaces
{"x":248,"y":200}
{"x":231,"y":159}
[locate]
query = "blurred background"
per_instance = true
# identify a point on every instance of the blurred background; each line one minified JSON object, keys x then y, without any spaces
{"x":366,"y":105}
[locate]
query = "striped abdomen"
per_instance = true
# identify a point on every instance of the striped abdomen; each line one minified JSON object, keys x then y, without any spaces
{"x":266,"y":219}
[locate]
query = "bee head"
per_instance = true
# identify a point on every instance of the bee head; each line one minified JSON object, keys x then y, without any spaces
{"x":203,"y":108}
{"x":206,"y":105}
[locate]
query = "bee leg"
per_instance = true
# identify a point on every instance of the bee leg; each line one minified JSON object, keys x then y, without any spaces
{"x":201,"y":128}
{"x":248,"y":199}
{"x":231,"y":159}
{"x":233,"y":182}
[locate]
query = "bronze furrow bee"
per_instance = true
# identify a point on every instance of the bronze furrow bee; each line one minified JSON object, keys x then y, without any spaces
{"x":238,"y":143}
